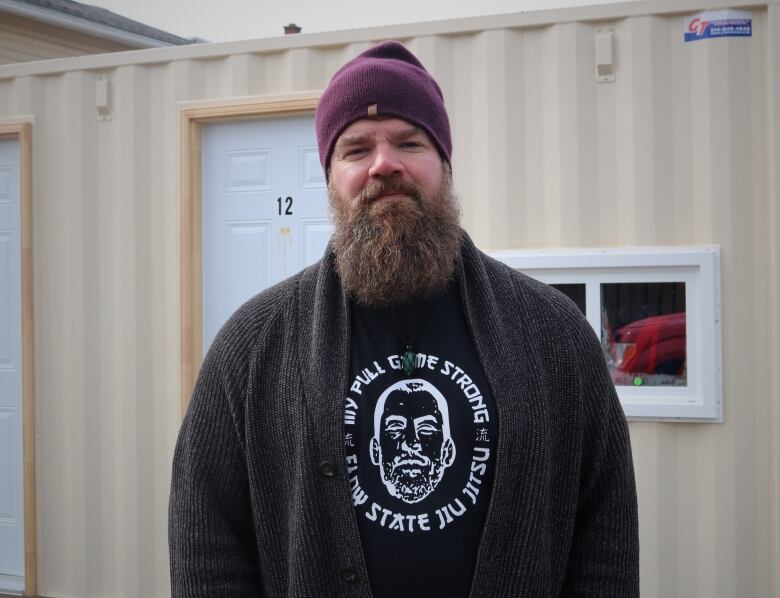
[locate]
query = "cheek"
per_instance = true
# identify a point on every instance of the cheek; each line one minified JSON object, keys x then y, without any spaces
{"x":431,"y":177}
{"x":388,"y":444}
{"x":347,"y":183}
{"x":431,"y":444}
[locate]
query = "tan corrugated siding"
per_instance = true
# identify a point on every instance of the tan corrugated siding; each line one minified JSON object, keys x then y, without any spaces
{"x":23,"y":40}
{"x":681,"y":149}
{"x":772,"y":251}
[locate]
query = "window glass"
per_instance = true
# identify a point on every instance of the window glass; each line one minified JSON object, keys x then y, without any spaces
{"x":575,"y":292}
{"x":643,"y":333}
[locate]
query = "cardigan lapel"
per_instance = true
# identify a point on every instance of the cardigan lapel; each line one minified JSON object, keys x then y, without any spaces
{"x":323,"y":343}
{"x":515,"y":375}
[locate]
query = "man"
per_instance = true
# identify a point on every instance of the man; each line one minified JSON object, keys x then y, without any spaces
{"x":412,"y":445}
{"x":276,"y":489}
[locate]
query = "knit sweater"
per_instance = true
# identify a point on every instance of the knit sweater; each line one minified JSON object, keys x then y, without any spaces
{"x":260,"y":503}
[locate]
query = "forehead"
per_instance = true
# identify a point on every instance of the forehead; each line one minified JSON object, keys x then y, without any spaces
{"x":411,"y":405}
{"x":371,"y":127}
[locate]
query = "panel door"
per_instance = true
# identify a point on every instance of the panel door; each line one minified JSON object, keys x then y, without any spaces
{"x":265,"y":210}
{"x":11,"y":481}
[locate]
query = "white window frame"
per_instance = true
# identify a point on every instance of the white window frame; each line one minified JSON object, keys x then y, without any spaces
{"x":698,"y":267}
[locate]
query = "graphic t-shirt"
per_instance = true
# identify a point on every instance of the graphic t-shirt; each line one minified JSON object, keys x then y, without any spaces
{"x":420,"y":447}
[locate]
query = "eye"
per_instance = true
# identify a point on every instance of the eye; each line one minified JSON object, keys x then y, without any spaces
{"x":354,"y":152}
{"x":427,"y":430}
{"x":412,"y":145}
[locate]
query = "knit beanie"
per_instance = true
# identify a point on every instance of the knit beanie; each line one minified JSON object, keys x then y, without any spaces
{"x":384,"y":80}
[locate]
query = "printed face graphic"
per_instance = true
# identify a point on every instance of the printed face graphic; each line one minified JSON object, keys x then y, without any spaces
{"x":412,"y":444}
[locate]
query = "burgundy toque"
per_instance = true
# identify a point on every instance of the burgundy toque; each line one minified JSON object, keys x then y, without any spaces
{"x":384,"y":80}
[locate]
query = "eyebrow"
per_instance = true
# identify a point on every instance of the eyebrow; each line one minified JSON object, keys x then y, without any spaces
{"x":362,"y":138}
{"x":405,"y":133}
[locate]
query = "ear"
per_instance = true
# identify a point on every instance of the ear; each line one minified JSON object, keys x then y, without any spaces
{"x":375,"y":451}
{"x":448,"y":452}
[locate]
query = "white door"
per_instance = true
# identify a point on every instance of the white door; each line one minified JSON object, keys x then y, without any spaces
{"x":265,"y":210}
{"x":11,"y":481}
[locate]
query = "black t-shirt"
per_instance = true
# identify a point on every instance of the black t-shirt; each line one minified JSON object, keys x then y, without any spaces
{"x":421,"y":484}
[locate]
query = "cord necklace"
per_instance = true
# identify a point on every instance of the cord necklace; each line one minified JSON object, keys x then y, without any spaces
{"x":409,"y":355}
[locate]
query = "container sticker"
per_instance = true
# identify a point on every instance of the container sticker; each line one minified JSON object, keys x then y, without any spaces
{"x":718,"y":23}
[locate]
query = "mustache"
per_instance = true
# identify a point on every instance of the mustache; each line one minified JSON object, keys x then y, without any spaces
{"x":418,"y":461}
{"x":376,"y":188}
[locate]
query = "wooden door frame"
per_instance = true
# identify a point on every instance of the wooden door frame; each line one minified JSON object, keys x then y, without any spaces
{"x":21,"y":130}
{"x":192,"y":117}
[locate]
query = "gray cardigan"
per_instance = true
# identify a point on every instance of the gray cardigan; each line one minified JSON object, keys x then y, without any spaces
{"x":260,"y":503}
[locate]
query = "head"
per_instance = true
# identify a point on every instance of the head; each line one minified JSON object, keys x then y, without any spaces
{"x":412,"y":445}
{"x":386,"y":80}
{"x":384,"y":143}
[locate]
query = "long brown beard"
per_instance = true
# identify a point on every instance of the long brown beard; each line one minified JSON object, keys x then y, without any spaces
{"x":391,"y":250}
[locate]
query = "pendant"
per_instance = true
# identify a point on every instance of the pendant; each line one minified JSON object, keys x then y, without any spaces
{"x":407,"y":361}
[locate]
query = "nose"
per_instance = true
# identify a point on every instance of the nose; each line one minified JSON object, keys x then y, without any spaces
{"x":386,"y":162}
{"x":411,"y":442}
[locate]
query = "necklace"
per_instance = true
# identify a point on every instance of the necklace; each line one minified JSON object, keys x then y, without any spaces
{"x":409,"y":355}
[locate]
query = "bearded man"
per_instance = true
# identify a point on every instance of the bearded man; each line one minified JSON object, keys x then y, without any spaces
{"x":276,"y":490}
{"x":412,"y":445}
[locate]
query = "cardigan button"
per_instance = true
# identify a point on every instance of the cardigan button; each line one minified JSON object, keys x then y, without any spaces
{"x":348,"y":574}
{"x":327,"y":469}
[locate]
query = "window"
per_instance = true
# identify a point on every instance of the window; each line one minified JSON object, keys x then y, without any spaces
{"x":656,"y":312}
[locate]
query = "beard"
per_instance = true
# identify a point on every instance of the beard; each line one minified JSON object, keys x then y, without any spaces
{"x":411,"y":482}
{"x":391,"y":250}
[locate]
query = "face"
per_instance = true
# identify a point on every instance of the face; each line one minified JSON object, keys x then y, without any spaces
{"x":396,"y":223}
{"x":371,"y":150}
{"x":412,"y":447}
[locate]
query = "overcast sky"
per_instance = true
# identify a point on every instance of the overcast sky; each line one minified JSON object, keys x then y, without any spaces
{"x":224,"y":20}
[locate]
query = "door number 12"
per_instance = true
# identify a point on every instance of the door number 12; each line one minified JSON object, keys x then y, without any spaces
{"x":285,"y":206}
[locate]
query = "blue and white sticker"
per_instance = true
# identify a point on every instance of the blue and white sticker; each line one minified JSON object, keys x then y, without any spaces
{"x":718,"y":23}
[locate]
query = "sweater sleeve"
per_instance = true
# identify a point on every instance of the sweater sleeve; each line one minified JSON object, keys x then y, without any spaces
{"x":210,"y":530}
{"x":604,"y":558}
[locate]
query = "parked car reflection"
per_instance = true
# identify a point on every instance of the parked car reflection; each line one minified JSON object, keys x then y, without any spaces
{"x":650,"y":351}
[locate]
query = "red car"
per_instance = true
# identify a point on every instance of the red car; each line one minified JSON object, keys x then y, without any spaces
{"x":651,"y":346}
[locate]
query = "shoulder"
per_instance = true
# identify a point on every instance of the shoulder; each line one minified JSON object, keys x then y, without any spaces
{"x":536,"y":304}
{"x":557,"y":340}
{"x":563,"y":341}
{"x":257,"y":319}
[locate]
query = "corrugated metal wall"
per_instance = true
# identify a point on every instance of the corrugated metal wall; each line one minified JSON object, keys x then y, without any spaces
{"x":676,"y":151}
